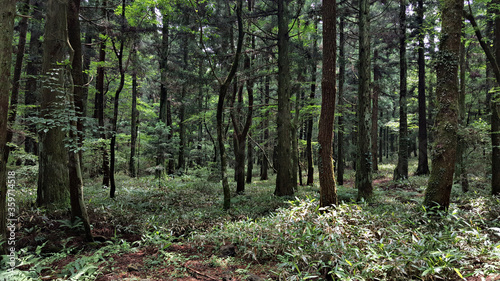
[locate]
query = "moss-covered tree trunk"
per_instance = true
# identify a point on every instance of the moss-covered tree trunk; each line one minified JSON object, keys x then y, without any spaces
{"x":53,"y":180}
{"x":328,"y":188}
{"x":446,"y":122}
{"x":284,"y":183}
{"x":363,"y":158}
{"x":6,"y":34}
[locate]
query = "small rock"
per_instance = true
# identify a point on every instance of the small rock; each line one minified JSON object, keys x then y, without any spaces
{"x":253,"y":277}
{"x":228,"y":250}
{"x":132,"y":267}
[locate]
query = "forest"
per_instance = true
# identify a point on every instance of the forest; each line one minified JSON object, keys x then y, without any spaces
{"x":249,"y":140}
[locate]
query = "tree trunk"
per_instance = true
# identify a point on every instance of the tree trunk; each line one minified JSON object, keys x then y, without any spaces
{"x":53,"y":181}
{"x":133,"y":125}
{"x":33,"y":68}
{"x":401,"y":171}
{"x":340,"y":135}
{"x":363,"y":157}
{"x":309,"y":149}
{"x":220,"y":108}
{"x":23,"y":28}
{"x":495,"y":116}
{"x":460,"y":168}
{"x":328,"y":188}
{"x":7,"y":14}
{"x":446,"y":122}
{"x":377,"y":75}
{"x":284,"y":184}
{"x":423,"y":162}
{"x":99,"y":101}
{"x":76,"y":104}
{"x":264,"y":168}
{"x":114,"y":121}
{"x":249,"y":162}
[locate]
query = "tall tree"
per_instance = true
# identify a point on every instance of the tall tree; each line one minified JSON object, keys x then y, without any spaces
{"x":340,"y":135}
{"x":401,"y":171}
{"x":224,"y":86}
{"x":284,"y":183}
{"x":7,"y":14}
{"x":134,"y":116}
{"x":33,"y":68}
{"x":328,"y":189}
{"x":78,"y":209}
{"x":363,"y":157}
{"x":309,"y":124}
{"x":53,"y":179}
{"x":119,"y":52}
{"x":446,"y":122}
{"x":495,"y":114}
{"x":99,"y":97}
{"x":423,"y":162}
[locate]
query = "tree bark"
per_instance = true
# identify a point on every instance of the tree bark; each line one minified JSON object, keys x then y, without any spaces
{"x":495,"y":116}
{"x":423,"y":162}
{"x":284,"y":184}
{"x":78,"y":208}
{"x":220,"y":108}
{"x":264,"y":168}
{"x":401,"y":171}
{"x":340,"y":135}
{"x":446,"y":122}
{"x":33,"y":68}
{"x":7,"y":14}
{"x":363,"y":157}
{"x":377,"y":76}
{"x":112,"y":147}
{"x":53,"y":180}
{"x":328,"y":188}
{"x":99,"y":101}
{"x":133,"y":124}
{"x":309,"y":149}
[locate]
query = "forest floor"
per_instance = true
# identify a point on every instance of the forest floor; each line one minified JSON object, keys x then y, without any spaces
{"x":174,"y":229}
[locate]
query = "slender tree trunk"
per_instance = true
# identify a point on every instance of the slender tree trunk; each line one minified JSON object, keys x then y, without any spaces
{"x":446,"y":122}
{"x":340,"y":136}
{"x":114,"y":121}
{"x":220,"y":109}
{"x":401,"y":171}
{"x":33,"y":68}
{"x":423,"y":162}
{"x":284,"y":184}
{"x":328,"y":188}
{"x":264,"y":168}
{"x":495,"y":116}
{"x":23,"y":28}
{"x":309,"y":149}
{"x":461,"y":170}
{"x":249,"y":162}
{"x":363,"y":157}
{"x":377,"y":75}
{"x":78,"y":208}
{"x":133,"y":125}
{"x":7,"y":14}
{"x":164,"y":102}
{"x":99,"y":101}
